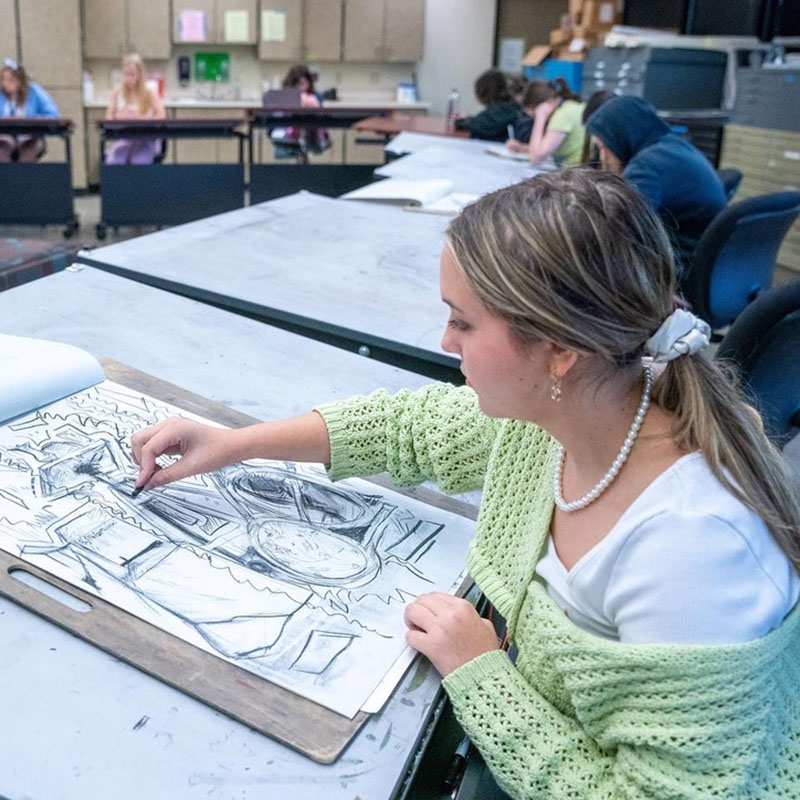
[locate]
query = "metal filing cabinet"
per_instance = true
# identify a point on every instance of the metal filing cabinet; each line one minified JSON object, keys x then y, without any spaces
{"x":768,"y":98}
{"x":660,"y":75}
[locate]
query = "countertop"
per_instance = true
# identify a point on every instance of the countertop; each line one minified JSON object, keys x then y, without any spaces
{"x":195,"y":102}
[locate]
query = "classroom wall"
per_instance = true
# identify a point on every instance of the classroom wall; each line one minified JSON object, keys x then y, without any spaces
{"x":459,"y":45}
{"x":531,"y":20}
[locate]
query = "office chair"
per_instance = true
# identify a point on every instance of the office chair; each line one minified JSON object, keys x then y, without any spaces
{"x":731,"y":178}
{"x":764,"y":344}
{"x":735,"y":257}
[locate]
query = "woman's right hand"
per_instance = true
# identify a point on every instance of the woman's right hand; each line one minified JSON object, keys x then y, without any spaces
{"x":516,"y":147}
{"x":201,"y":448}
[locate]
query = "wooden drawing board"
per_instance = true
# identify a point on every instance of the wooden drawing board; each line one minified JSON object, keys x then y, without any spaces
{"x":315,"y":731}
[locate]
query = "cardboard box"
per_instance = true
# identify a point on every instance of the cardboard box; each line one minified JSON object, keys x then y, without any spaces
{"x":537,"y":54}
{"x":560,"y":36}
{"x":599,"y":15}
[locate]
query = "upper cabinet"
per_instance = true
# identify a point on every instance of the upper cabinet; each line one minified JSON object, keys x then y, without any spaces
{"x":112,"y":28}
{"x":300,"y":30}
{"x":50,"y":36}
{"x":8,"y":29}
{"x":384,"y":30}
{"x":214,"y":22}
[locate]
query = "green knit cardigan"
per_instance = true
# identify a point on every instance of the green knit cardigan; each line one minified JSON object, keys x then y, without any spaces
{"x":577,"y":716}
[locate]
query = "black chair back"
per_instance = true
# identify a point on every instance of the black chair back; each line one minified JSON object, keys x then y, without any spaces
{"x":764,"y":345}
{"x":735,"y":257}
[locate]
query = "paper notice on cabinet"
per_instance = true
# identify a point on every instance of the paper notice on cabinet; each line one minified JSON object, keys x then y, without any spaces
{"x":273,"y":25}
{"x":192,"y":26}
{"x":237,"y":26}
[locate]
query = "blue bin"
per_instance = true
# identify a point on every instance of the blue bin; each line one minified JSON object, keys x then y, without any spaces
{"x":551,"y":68}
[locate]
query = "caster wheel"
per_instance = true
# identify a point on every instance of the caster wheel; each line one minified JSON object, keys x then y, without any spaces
{"x":100,"y":231}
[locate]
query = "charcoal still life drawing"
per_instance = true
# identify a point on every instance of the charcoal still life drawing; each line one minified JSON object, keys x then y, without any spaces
{"x":267,"y":565}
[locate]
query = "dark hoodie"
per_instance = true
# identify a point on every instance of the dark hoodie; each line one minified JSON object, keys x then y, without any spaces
{"x":671,"y":173}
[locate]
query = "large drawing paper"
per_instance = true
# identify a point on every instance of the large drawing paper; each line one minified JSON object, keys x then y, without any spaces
{"x":267,"y":565}
{"x":34,"y":372}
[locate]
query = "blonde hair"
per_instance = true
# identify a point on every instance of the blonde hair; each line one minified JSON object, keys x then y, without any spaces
{"x":141,"y":94}
{"x":578,"y":258}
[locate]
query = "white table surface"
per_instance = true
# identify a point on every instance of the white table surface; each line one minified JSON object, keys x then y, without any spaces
{"x":76,"y":722}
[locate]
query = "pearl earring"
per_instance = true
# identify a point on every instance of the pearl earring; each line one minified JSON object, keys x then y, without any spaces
{"x":555,"y":389}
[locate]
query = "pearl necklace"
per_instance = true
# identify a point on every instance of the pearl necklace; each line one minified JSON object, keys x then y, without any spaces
{"x":616,"y":466}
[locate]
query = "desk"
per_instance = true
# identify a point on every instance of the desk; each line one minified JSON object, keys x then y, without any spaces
{"x":78,"y":723}
{"x":168,"y":194}
{"x":268,"y":181}
{"x":360,"y":273}
{"x":396,"y":123}
{"x":38,"y":194}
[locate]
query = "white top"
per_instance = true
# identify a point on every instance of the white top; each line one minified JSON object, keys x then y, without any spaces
{"x":686,"y":563}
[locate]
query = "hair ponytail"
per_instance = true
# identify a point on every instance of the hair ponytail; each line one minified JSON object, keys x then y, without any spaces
{"x":711,"y":414}
{"x":562,"y":90}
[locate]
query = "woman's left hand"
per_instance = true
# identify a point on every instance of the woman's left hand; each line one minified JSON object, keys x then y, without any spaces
{"x":448,"y":630}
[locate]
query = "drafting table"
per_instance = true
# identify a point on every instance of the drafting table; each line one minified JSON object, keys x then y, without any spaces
{"x":410,"y":142}
{"x":78,"y":723}
{"x":38,"y":193}
{"x":360,"y":273}
{"x":470,"y":172}
{"x":168,"y":194}
{"x":394,"y":124}
{"x":268,"y":181}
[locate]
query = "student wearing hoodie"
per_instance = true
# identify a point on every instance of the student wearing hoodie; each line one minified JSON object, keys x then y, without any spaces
{"x":672,"y":174}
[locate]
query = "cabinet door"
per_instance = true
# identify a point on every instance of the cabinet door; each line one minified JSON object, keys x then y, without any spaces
{"x":8,"y":29}
{"x":363,"y":30}
{"x":188,"y":6}
{"x":281,"y":22}
{"x":93,"y":116}
{"x":237,"y":7}
{"x":403,"y":28}
{"x":148,"y":29}
{"x":322,"y":30}
{"x":70,"y":103}
{"x":104,"y":28}
{"x":50,"y":42}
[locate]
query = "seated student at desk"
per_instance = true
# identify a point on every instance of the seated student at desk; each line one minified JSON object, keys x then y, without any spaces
{"x":299,"y":77}
{"x":134,"y":99}
{"x":558,"y":130}
{"x":500,"y":114}
{"x":20,"y":97}
{"x":674,"y":176}
{"x":638,"y":531}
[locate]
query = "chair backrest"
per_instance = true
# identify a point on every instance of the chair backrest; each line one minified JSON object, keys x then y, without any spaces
{"x":764,"y":345}
{"x":735,"y":257}
{"x":731,"y":178}
{"x":282,"y":98}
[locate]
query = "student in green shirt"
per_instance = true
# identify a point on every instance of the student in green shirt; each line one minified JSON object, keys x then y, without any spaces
{"x":558,"y":130}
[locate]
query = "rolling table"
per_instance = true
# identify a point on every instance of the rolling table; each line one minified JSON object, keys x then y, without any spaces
{"x":268,"y":181}
{"x":358,"y":274}
{"x":38,"y":193}
{"x":79,"y":723}
{"x":168,"y":194}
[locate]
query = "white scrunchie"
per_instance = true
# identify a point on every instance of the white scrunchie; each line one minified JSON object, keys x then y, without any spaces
{"x":681,"y":333}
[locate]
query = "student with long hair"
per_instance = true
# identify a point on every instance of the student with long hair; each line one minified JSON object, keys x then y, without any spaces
{"x":558,"y":130}
{"x":21,"y":97}
{"x":299,"y":77}
{"x":134,"y":99}
{"x":638,"y":531}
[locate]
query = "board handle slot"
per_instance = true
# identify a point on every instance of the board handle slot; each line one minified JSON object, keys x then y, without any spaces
{"x":46,"y":588}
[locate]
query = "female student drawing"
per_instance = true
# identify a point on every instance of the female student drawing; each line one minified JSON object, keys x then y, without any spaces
{"x":558,"y":129}
{"x":20,"y":97}
{"x":133,"y":99}
{"x":637,"y":531}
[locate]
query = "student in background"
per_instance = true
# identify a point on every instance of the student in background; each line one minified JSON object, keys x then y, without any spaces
{"x":671,"y":173}
{"x":134,"y":99}
{"x":558,"y":130}
{"x":20,"y":97}
{"x":591,"y":155}
{"x":638,"y":531}
{"x":299,"y":77}
{"x":501,"y":111}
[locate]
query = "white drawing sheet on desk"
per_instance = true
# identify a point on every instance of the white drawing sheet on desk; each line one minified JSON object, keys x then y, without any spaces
{"x":267,"y":565}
